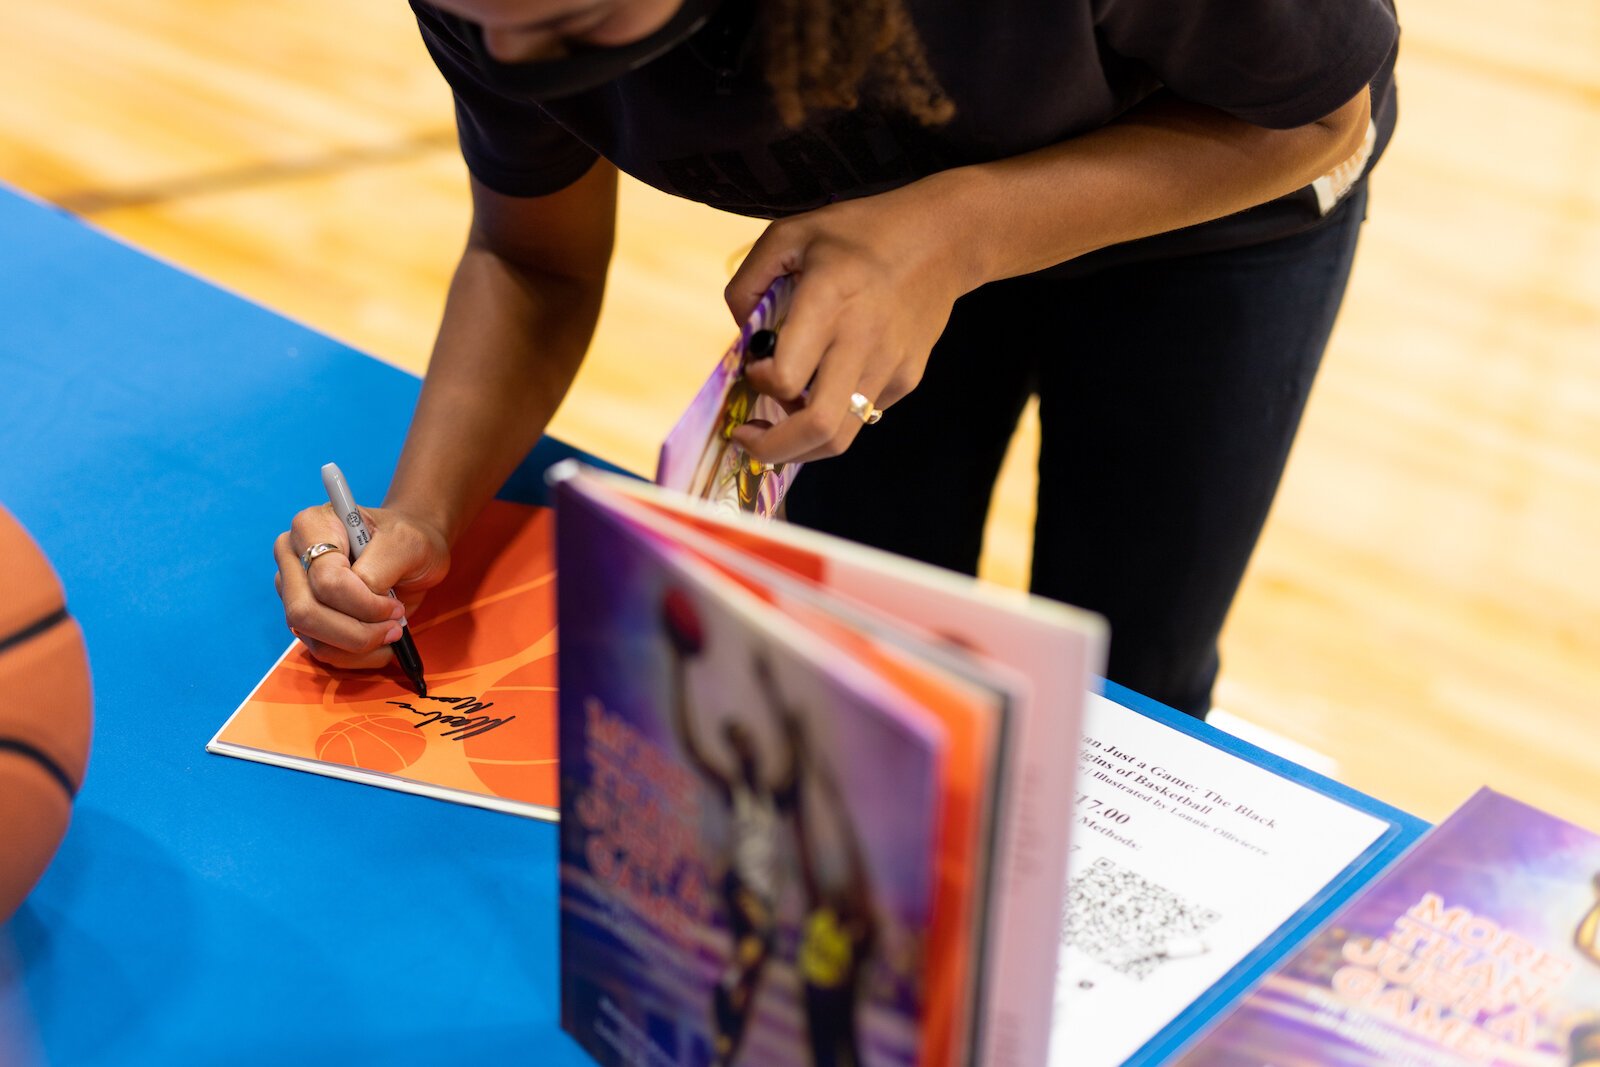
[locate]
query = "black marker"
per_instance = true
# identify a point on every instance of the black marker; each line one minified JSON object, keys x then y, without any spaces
{"x":405,"y":649}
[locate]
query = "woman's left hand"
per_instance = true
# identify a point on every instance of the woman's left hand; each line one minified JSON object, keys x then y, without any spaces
{"x":875,"y":279}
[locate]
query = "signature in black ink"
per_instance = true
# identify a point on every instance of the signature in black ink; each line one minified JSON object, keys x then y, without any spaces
{"x":464,"y":723}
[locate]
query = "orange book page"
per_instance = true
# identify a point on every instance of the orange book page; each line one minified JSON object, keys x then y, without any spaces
{"x":967,"y":720}
{"x":486,"y":732}
{"x":792,"y":558}
{"x":972,"y":742}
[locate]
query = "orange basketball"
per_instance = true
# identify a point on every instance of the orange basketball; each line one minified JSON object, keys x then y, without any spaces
{"x":44,"y":722}
{"x":383,"y":743}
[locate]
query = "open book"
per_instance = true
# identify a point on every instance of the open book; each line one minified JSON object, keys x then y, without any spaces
{"x":804,"y":819}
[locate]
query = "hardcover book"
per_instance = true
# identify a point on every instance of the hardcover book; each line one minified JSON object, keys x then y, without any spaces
{"x":1480,"y":946}
{"x":793,"y":827}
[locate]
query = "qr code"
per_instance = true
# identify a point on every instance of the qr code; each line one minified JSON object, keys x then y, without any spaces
{"x":1129,"y":923}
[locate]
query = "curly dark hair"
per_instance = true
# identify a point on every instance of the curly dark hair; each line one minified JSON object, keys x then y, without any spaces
{"x":825,"y":54}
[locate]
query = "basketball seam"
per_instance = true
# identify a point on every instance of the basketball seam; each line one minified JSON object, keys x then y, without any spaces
{"x":42,"y":758}
{"x":34,"y":629}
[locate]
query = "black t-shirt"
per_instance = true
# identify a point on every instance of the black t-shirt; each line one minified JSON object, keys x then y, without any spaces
{"x":698,"y":121}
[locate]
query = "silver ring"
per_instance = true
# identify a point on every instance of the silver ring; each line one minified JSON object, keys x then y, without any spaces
{"x":316,"y":550}
{"x":862,"y":409}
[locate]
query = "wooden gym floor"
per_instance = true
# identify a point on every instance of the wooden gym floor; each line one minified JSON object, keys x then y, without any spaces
{"x":1425,"y":606}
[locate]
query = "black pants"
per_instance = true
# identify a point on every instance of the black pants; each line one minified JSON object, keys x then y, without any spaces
{"x":1169,"y":394}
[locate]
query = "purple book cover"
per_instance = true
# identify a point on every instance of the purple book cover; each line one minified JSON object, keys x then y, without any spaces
{"x":1479,"y":946}
{"x":699,"y":459}
{"x":748,"y":830}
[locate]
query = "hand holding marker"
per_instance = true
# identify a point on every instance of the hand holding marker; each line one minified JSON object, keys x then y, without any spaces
{"x":405,"y":649}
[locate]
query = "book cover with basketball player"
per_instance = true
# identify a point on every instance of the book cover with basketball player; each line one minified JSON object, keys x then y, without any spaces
{"x":1480,"y":946}
{"x":999,"y":1001}
{"x":776,"y":833}
{"x":486,"y":733}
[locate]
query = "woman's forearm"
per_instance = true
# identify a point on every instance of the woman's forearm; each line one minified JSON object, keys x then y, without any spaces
{"x":1165,"y":165}
{"x":508,"y":348}
{"x":879,"y":275}
{"x":518,"y":319}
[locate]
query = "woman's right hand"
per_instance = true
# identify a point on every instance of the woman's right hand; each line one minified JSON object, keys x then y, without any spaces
{"x":341,"y":611}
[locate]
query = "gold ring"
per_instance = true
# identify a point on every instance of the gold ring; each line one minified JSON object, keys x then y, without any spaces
{"x":314,"y":551}
{"x":862,"y":409}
